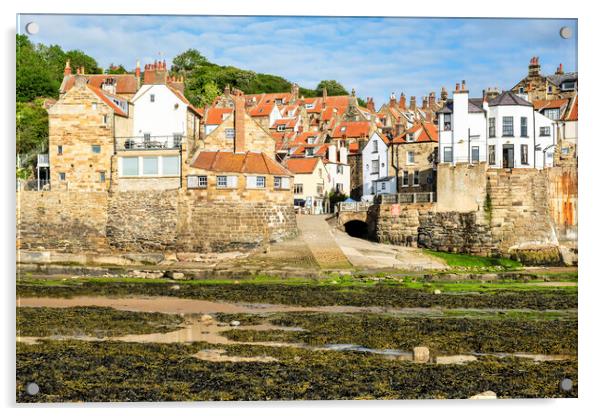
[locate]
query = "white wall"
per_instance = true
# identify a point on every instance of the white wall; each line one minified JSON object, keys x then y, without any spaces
{"x":368,"y":156}
{"x":161,"y":117}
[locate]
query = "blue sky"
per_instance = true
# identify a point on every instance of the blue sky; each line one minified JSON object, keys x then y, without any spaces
{"x":376,"y":56}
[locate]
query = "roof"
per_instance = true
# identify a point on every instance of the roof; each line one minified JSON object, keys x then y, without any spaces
{"x":125,"y":83}
{"x":558,"y":79}
{"x":302,"y":165}
{"x":106,"y":98}
{"x":249,"y":162}
{"x":509,"y":98}
{"x":475,"y":105}
{"x":286,"y":122}
{"x":216,"y":115}
{"x":543,"y":104}
{"x":573,"y":114}
{"x":354,"y":148}
{"x":352,"y":129}
{"x":423,"y":133}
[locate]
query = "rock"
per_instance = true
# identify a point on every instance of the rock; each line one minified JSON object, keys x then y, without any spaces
{"x":175,"y":287}
{"x":222,"y":324}
{"x":170,"y":274}
{"x":486,"y":395}
{"x":421,"y":355}
{"x":145,"y":258}
{"x":437,"y":292}
{"x":234,"y":323}
{"x":455,"y":359}
{"x":206,"y":319}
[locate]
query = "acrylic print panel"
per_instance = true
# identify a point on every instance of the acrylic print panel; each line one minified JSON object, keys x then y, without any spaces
{"x":314,"y":208}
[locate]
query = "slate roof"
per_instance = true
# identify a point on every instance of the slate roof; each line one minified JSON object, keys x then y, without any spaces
{"x":124,"y":83}
{"x":558,"y":79}
{"x":475,"y":105}
{"x":509,"y":98}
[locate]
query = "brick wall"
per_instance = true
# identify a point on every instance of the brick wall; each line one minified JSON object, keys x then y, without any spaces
{"x":398,"y":223}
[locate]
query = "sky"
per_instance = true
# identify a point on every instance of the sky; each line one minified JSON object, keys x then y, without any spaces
{"x":375,"y":56}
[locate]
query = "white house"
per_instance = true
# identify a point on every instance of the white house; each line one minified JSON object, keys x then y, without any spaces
{"x":375,"y":167}
{"x":505,"y":132}
{"x":339,"y":171}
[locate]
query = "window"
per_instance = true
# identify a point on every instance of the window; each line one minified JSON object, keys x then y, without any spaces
{"x":508,"y":126}
{"x":59,"y":150}
{"x":544,"y":131}
{"x":147,"y":137}
{"x":521,"y":90}
{"x":281,"y":182}
{"x":105,"y":119}
{"x":222,"y":181}
{"x":492,"y":154}
{"x":177,"y":139}
{"x":446,"y":121}
{"x":280,"y":127}
{"x":339,"y":169}
{"x":524,"y":154}
{"x":474,"y":154}
{"x":320,"y":173}
{"x":309,"y":151}
{"x":278,"y":101}
{"x":383,"y":186}
{"x":406,"y":178}
{"x":339,"y":188}
{"x":416,"y":178}
{"x":202,"y":181}
{"x":171,"y":165}
{"x":568,"y":86}
{"x":62,"y":176}
{"x":95,"y":148}
{"x":375,"y":146}
{"x":410,"y":158}
{"x":152,"y":98}
{"x":374,"y":166}
{"x":410,"y":137}
{"x":552,"y":113}
{"x":447,"y":154}
{"x":102,"y":176}
{"x":311,"y":140}
{"x":94,"y":106}
{"x":129,"y":166}
{"x":229,"y":133}
{"x":309,"y":106}
{"x":491,"y":126}
{"x":319,"y":189}
{"x":523,"y":127}
{"x":298,"y":188}
{"x":549,"y":88}
{"x":260,"y":181}
{"x":150,"y":165}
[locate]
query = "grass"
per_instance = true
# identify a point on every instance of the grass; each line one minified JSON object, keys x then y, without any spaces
{"x":468,"y":261}
{"x":91,"y":321}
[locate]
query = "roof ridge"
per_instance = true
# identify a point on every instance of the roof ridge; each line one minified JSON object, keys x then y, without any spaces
{"x":214,"y":161}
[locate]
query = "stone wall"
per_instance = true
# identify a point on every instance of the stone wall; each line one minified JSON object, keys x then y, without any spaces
{"x":147,"y":222}
{"x":461,"y":187}
{"x":62,"y":221}
{"x":398,"y":223}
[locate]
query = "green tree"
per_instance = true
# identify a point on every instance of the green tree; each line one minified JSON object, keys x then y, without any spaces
{"x":187,"y":61}
{"x":34,"y":77}
{"x":79,"y":59}
{"x":32,"y":127}
{"x":332,"y":88}
{"x":116,"y":69}
{"x":210,"y":93}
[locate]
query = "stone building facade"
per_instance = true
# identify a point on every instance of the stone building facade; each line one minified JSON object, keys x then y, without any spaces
{"x":537,"y":86}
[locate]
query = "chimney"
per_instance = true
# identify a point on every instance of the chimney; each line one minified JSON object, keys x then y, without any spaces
{"x":413,"y":103}
{"x":332,"y":153}
{"x":443,"y":94}
{"x":392,"y":100}
{"x":457,"y":87}
{"x":239,"y":124}
{"x":464,"y":86}
{"x":402,"y":101}
{"x":559,"y":70}
{"x":295,"y":91}
{"x":177,"y":83}
{"x":343,"y":155}
{"x":67,"y":70}
{"x":155,"y":73}
{"x":227,"y":89}
{"x":534,"y":67}
{"x":370,"y":104}
{"x":432,"y":100}
{"x":424,"y":103}
{"x":137,"y":74}
{"x":324,"y":93}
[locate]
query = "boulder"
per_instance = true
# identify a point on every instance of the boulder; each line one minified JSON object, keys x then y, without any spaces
{"x":437,"y":292}
{"x":421,"y":355}
{"x":206,"y":319}
{"x":234,"y":323}
{"x":486,"y":395}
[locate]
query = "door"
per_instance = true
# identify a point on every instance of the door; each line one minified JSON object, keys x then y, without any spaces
{"x":508,"y":156}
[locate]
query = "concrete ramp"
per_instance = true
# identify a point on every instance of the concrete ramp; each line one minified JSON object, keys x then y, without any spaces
{"x":319,"y":237}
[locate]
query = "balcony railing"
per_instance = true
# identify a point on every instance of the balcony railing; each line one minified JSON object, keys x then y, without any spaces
{"x":149,"y":142}
{"x":354,"y":206}
{"x":43,"y":160}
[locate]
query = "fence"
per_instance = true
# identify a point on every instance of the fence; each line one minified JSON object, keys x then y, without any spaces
{"x":406,"y":198}
{"x":149,"y":142}
{"x":353,"y":206}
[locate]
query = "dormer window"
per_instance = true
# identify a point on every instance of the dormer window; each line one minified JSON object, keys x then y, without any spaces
{"x":310,"y":106}
{"x":279,"y":101}
{"x":521,"y":90}
{"x":568,"y":86}
{"x":309,"y":151}
{"x":311,"y":140}
{"x":410,"y":137}
{"x":280,"y":127}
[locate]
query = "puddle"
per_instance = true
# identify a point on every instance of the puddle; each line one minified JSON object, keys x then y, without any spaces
{"x":218,"y":356}
{"x":534,"y":357}
{"x":392,"y":353}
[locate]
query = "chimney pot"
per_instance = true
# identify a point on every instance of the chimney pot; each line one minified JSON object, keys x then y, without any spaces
{"x":457,"y":87}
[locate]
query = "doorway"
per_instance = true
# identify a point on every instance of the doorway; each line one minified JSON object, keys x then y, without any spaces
{"x":508,"y":156}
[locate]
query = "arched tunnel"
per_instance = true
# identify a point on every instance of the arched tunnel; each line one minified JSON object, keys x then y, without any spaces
{"x":358,"y":229}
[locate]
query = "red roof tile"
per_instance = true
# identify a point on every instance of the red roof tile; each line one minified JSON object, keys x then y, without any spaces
{"x":105,"y":97}
{"x":216,"y":115}
{"x":352,"y":129}
{"x":541,"y":104}
{"x":301,"y":165}
{"x":574,"y":112}
{"x":426,"y":132}
{"x":125,"y":83}
{"x":230,"y":162}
